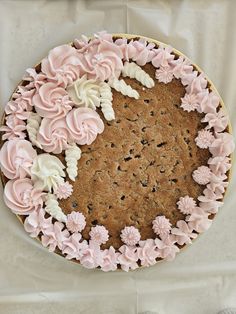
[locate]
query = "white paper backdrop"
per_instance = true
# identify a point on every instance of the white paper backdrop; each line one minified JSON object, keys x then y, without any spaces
{"x":202,"y":279}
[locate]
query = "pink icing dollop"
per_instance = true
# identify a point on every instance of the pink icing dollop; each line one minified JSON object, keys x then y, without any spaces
{"x":197,"y":85}
{"x":164,"y":74}
{"x":127,"y":48}
{"x":208,"y":102}
{"x":62,"y":65}
{"x":54,"y":135}
{"x":166,"y":247}
{"x":128,"y":257}
{"x":219,"y":165}
{"x":183,"y":233}
{"x":147,"y":252}
{"x":34,"y":79}
{"x":14,"y":128}
{"x":204,"y":138}
{"x":144,"y":51}
{"x":63,"y":190}
{"x":55,"y":236}
{"x":73,"y":247}
{"x":186,"y":204}
{"x":223,"y":145}
{"x":187,"y":78}
{"x":202,"y":175}
{"x":161,"y":225}
{"x":182,"y":66}
{"x":130,"y":235}
{"x":101,"y":59}
{"x":109,"y":259}
{"x":15,"y":109}
{"x":99,"y":234}
{"x":21,"y":196}
{"x":92,"y":256}
{"x":75,"y":222}
{"x":16,"y":158}
{"x":218,"y":184}
{"x":163,"y":57}
{"x":36,"y":222}
{"x":208,"y":202}
{"x":189,"y":102}
{"x":217,"y":120}
{"x":52,"y":101}
{"x":198,"y":220}
{"x":84,"y":125}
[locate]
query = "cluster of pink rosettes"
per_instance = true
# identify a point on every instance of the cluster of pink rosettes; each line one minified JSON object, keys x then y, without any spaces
{"x":62,"y":123}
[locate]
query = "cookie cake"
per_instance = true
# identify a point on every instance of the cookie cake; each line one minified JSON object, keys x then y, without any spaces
{"x":116,"y":151}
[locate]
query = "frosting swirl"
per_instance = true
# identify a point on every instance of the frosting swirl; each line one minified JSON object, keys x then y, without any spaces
{"x":53,"y":135}
{"x":16,"y":158}
{"x":84,"y":125}
{"x":51,"y":101}
{"x":62,"y":65}
{"x":21,"y":196}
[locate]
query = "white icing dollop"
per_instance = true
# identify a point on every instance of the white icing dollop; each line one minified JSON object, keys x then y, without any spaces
{"x":132,"y":70}
{"x":32,"y":127}
{"x":47,"y":172}
{"x":106,"y":101}
{"x":52,"y":208}
{"x":73,"y":154}
{"x":85,"y":93}
{"x":121,"y":86}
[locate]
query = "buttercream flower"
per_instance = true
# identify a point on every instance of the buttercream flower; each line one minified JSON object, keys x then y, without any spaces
{"x":85,"y":93}
{"x":186,"y":79}
{"x":204,"y":138}
{"x":223,"y":145}
{"x":36,"y":222}
{"x":74,"y":247}
{"x":84,"y":125}
{"x":183,"y":233}
{"x":164,"y":74}
{"x":62,"y":65}
{"x":75,"y":222}
{"x":144,"y":52}
{"x":34,"y":79}
{"x":52,"y":101}
{"x":147,"y":252}
{"x":130,"y":235}
{"x":16,"y":158}
{"x":218,"y":184}
{"x":219,"y":165}
{"x":166,"y":247}
{"x":55,"y":236}
{"x":109,"y":259}
{"x":21,"y":196}
{"x":128,"y":257}
{"x":15,"y":109}
{"x":63,"y":190}
{"x":92,"y":256}
{"x":198,"y":220}
{"x":101,"y":59}
{"x":208,"y":102}
{"x":14,"y":128}
{"x":99,"y":234}
{"x":161,"y":225}
{"x":127,"y":48}
{"x":186,"y":204}
{"x":202,"y":175}
{"x":163,"y":57}
{"x":217,"y":120}
{"x":182,"y":66}
{"x":24,"y":97}
{"x":189,"y":102}
{"x":47,"y":172}
{"x":197,"y":85}
{"x":54,"y":135}
{"x":208,"y":202}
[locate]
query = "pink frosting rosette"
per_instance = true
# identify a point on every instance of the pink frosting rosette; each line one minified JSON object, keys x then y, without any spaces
{"x":101,"y":59}
{"x":223,"y":145}
{"x":21,"y":196}
{"x":54,"y":135}
{"x":109,"y":259}
{"x":144,"y":52}
{"x":34,"y":79}
{"x":62,"y":65}
{"x":55,"y":236}
{"x":36,"y":222}
{"x":84,"y":125}
{"x":14,"y":128}
{"x":51,"y":101}
{"x":16,"y":158}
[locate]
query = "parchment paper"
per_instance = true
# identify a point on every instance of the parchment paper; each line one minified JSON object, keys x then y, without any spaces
{"x":202,"y":279}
